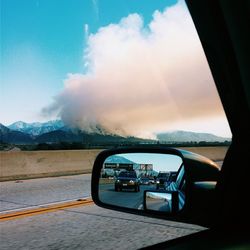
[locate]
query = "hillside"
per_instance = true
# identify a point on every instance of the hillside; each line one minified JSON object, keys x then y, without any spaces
{"x":11,"y":136}
{"x":186,"y":136}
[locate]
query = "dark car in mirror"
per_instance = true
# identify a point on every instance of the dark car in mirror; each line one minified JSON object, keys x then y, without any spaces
{"x":162,"y":179}
{"x":182,"y":183}
{"x":127,"y":180}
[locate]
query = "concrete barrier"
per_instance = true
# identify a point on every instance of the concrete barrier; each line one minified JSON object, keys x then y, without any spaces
{"x":16,"y":165}
{"x":37,"y":164}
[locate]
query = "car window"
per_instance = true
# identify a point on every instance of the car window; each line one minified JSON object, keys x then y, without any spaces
{"x":138,"y":73}
{"x":127,"y":174}
{"x":163,"y":175}
{"x":78,"y":77}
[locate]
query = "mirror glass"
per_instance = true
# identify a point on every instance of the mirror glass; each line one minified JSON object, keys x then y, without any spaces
{"x":125,"y":177}
{"x":164,"y":201}
{"x":157,"y":201}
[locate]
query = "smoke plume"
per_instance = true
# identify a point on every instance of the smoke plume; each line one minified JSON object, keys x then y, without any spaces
{"x":140,"y":78}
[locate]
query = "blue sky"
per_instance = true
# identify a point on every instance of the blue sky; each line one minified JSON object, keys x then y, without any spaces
{"x":43,"y":41}
{"x":121,"y":64}
{"x":161,"y":162}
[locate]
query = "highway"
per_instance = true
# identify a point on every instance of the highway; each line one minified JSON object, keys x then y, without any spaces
{"x":88,"y":227}
{"x":28,"y":193}
{"x":81,"y":226}
{"x":127,"y":198}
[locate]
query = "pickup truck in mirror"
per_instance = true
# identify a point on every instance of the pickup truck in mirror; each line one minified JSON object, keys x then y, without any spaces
{"x":166,"y":182}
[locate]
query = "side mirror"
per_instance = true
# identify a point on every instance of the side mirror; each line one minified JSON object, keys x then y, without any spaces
{"x":158,"y":182}
{"x":162,"y":202}
{"x":129,"y":178}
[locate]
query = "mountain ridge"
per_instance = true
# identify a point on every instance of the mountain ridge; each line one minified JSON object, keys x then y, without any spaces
{"x":56,"y":132}
{"x":11,"y":136}
{"x":188,"y":136}
{"x":36,"y":128}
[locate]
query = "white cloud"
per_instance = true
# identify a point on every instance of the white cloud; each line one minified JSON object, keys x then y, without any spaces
{"x":141,"y":79}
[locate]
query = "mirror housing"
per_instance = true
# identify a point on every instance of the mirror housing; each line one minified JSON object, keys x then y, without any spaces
{"x":197,"y":169}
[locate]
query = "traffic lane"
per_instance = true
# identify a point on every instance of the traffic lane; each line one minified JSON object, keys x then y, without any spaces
{"x":125,"y":198}
{"x":27,"y":193}
{"x":89,"y":227}
{"x":157,"y":205}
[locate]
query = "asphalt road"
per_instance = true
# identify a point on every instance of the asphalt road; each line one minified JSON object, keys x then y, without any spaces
{"x":85,"y":227}
{"x":88,"y":227}
{"x":27,"y":193}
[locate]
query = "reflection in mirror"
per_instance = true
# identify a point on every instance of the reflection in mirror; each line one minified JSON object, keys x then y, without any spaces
{"x":158,"y":201}
{"x":125,"y":177}
{"x":162,"y":201}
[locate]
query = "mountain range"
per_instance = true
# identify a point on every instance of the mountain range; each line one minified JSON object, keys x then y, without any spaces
{"x":36,"y":133}
{"x":56,"y":132}
{"x":37,"y":128}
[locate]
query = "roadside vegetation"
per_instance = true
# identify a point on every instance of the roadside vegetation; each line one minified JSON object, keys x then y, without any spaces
{"x":78,"y":145}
